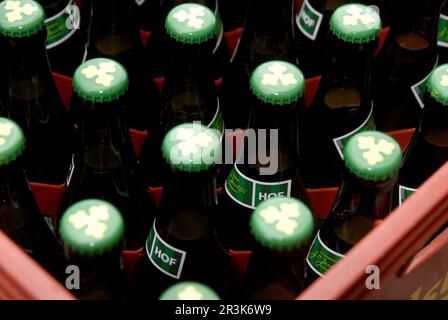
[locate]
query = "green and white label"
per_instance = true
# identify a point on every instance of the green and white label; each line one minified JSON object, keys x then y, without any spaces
{"x":321,"y":258}
{"x":217,"y":122}
{"x":63,"y":25}
{"x":404,"y":193}
{"x":249,"y":192}
{"x":163,"y":256}
{"x":368,"y":124}
{"x":419,"y":89}
{"x":309,"y":20}
{"x":442,"y":35}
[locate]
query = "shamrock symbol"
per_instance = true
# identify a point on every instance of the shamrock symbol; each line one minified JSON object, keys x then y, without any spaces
{"x":444,"y":81}
{"x":356,"y":14}
{"x":277,"y":74}
{"x":91,"y":222}
{"x":5,"y":131}
{"x":285,"y":218}
{"x":191,"y":141}
{"x":16,"y":10}
{"x":190,"y":293}
{"x":191,"y":17}
{"x":103,"y":74}
{"x":375,"y":151}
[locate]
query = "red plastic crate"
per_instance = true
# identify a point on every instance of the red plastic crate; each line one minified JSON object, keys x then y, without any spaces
{"x":393,"y":246}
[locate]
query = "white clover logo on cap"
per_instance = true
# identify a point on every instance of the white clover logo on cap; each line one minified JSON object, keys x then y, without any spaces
{"x":190,"y":293}
{"x":17,"y":10}
{"x":5,"y":131}
{"x":358,"y":14}
{"x":285,"y":218}
{"x":92,"y":222}
{"x":104,"y":74}
{"x":191,"y":17}
{"x":278,"y":74}
{"x":375,"y":150}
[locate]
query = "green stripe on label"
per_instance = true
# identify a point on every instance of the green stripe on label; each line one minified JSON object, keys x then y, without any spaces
{"x":321,"y":258}
{"x":249,"y":193}
{"x":404,"y":193}
{"x":62,"y":26}
{"x":309,"y":20}
{"x":442,"y":35}
{"x":368,"y":124}
{"x":163,"y":256}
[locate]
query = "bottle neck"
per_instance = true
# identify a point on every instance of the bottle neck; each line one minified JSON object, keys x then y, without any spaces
{"x":103,"y":131}
{"x":191,"y":72}
{"x":28,"y":70}
{"x":365,"y":198}
{"x":435,"y":122}
{"x":188,"y":192}
{"x":269,"y":31}
{"x":114,"y":31}
{"x":347,"y":80}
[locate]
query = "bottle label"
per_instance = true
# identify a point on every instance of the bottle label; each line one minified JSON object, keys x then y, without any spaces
{"x":368,"y":124}
{"x":163,"y":256}
{"x":217,"y":122}
{"x":404,"y":193}
{"x":63,"y":25}
{"x":249,"y":193}
{"x":321,"y":258}
{"x":309,"y":20}
{"x":443,"y":31}
{"x":419,"y":89}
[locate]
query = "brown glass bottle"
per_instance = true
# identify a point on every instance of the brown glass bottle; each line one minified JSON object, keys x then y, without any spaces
{"x":276,"y":266}
{"x":20,"y":217}
{"x":428,"y":150}
{"x":32,"y":99}
{"x":183,"y":245}
{"x":268,"y":35}
{"x":104,"y":161}
{"x":189,"y":92}
{"x":407,"y":58}
{"x":442,"y":35}
{"x":65,"y":37}
{"x":93,"y":232}
{"x":343,"y":104}
{"x":268,"y":167}
{"x":114,"y":34}
{"x":372,"y":160}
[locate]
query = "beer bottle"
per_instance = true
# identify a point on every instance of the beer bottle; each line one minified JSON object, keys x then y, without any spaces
{"x":189,"y":290}
{"x":282,"y":228}
{"x":93,"y":231}
{"x":189,"y":92}
{"x":20,"y":218}
{"x":408,"y":57}
{"x":372,"y":160}
{"x":33,"y":101}
{"x":442,"y":35}
{"x":268,"y":35}
{"x":114,"y":34}
{"x":65,"y":38}
{"x":343,"y":104}
{"x":158,"y":50}
{"x":428,"y":150}
{"x":104,"y":161}
{"x":182,"y":244}
{"x":259,"y":174}
{"x":312,"y":22}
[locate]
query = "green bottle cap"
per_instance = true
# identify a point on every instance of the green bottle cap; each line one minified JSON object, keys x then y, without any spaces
{"x":282,"y":224}
{"x":191,"y":23}
{"x":277,"y":83}
{"x":21,"y":18}
{"x":100,"y":80}
{"x":92,"y":227}
{"x":438,"y":84}
{"x":356,"y":23}
{"x":191,"y":147}
{"x":189,"y":290}
{"x":12,"y":141}
{"x":373,"y":156}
